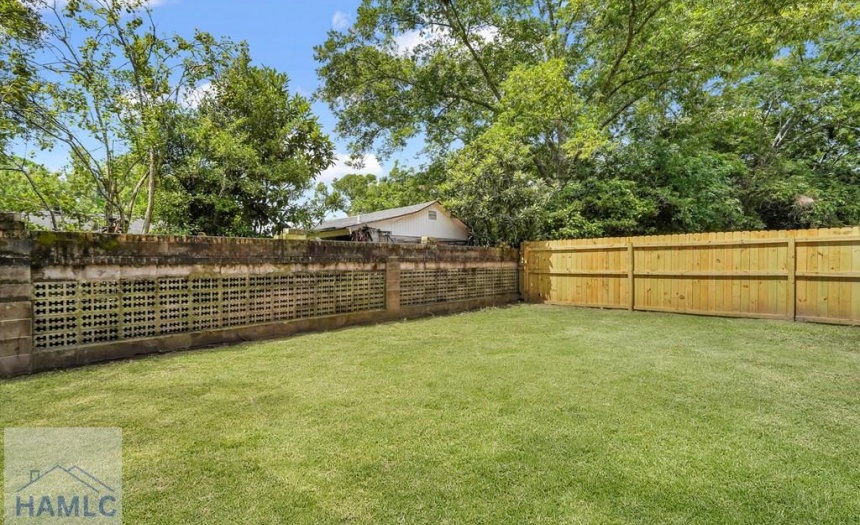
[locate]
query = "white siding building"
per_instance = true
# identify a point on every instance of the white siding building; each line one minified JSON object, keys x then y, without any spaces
{"x":408,"y":224}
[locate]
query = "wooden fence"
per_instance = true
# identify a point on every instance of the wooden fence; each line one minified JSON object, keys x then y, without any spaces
{"x":804,"y":275}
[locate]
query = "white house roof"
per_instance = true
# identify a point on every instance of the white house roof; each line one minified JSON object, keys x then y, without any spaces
{"x":376,"y":216}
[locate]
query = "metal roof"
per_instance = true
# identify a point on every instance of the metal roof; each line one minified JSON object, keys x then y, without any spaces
{"x":367,"y":218}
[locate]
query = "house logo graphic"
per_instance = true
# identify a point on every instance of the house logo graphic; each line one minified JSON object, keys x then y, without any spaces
{"x":66,"y":475}
{"x":61,"y":492}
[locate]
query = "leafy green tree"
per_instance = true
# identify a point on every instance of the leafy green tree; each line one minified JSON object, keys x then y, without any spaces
{"x":242,"y":161}
{"x":105,"y":86}
{"x":356,"y":193}
{"x":64,"y":199}
{"x":776,"y":149}
{"x":19,"y":24}
{"x":492,"y":190}
{"x":798,"y":123}
{"x":587,"y":118}
{"x":573,"y":69}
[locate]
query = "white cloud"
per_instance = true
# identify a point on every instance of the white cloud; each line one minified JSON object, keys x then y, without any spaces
{"x":192,"y":97}
{"x":408,"y":41}
{"x":370,"y":165}
{"x":488,"y":34}
{"x":340,"y":21}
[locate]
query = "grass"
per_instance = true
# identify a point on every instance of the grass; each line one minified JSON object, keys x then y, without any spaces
{"x":528,"y":414}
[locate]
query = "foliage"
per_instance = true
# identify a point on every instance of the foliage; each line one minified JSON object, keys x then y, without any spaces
{"x":102,"y":84}
{"x":600,"y":118}
{"x":489,"y":188}
{"x":802,"y":136}
{"x":19,"y":22}
{"x":244,"y":157}
{"x":223,"y":144}
{"x":599,"y":58}
{"x":65,"y":200}
{"x":356,"y":193}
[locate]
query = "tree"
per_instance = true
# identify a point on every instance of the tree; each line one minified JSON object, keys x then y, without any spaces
{"x":65,"y":199}
{"x":542,"y":95}
{"x":801,"y":115}
{"x":106,"y":86}
{"x":600,"y":58}
{"x":244,"y":158}
{"x":776,"y":149}
{"x":19,"y":23}
{"x":356,"y":193}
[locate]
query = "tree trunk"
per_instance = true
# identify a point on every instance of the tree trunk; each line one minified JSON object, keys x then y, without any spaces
{"x":150,"y":201}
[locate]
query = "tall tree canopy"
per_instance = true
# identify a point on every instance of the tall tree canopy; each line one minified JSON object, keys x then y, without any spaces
{"x":18,"y":23}
{"x":244,"y":157}
{"x":562,"y":118}
{"x":100,"y":82}
{"x":140,"y":114}
{"x":356,"y":193}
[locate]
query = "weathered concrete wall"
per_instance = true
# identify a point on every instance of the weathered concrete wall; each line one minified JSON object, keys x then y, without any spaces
{"x":69,"y":299}
{"x":16,"y":319}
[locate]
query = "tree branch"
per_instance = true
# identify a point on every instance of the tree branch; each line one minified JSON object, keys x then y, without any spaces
{"x":23,"y":171}
{"x":454,"y":19}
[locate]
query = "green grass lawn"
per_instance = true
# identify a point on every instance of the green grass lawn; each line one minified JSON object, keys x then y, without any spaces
{"x":528,"y":414}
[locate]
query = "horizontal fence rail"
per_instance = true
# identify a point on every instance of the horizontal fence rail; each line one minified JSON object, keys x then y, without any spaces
{"x":804,"y":275}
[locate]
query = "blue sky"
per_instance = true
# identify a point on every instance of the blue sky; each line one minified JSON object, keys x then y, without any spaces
{"x":282,"y":35}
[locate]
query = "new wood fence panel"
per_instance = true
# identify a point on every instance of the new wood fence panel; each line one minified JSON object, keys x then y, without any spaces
{"x":810,"y":275}
{"x":828,"y":277}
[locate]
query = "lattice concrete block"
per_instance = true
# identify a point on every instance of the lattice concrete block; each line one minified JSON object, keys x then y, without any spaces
{"x":166,"y":288}
{"x":439,"y":285}
{"x":74,"y":313}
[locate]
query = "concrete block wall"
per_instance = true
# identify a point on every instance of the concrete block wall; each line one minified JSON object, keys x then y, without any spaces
{"x":70,"y":299}
{"x":16,"y":314}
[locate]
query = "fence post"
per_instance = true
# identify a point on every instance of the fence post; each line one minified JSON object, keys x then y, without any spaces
{"x":16,"y":291}
{"x":792,"y":278}
{"x":631,"y":277}
{"x":524,"y":261}
{"x":392,"y":285}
